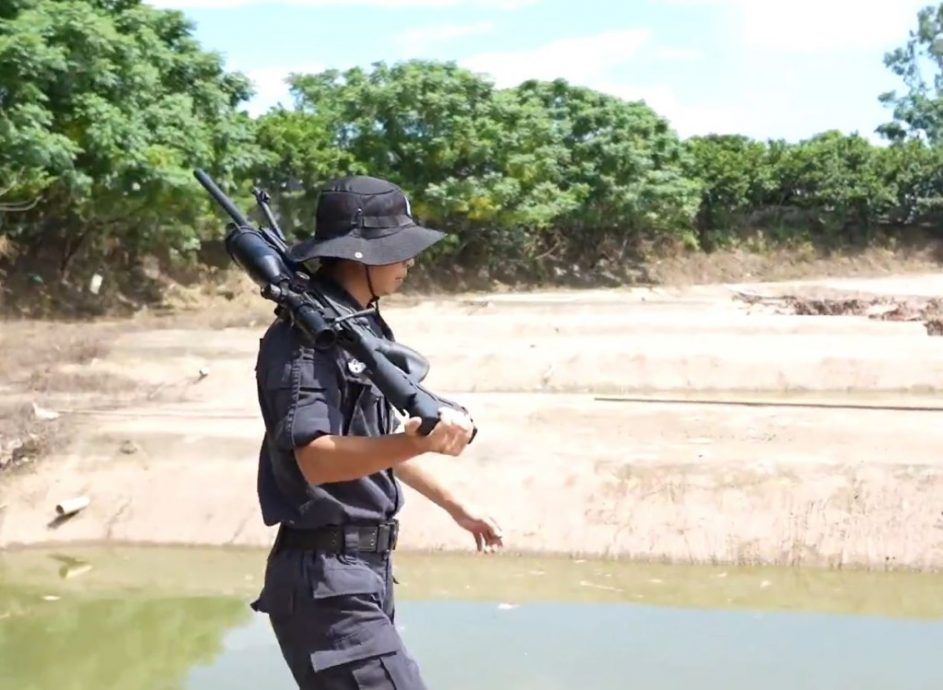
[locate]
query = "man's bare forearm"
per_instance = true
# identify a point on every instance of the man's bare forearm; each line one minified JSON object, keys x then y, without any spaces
{"x":415,"y":476}
{"x":343,"y":458}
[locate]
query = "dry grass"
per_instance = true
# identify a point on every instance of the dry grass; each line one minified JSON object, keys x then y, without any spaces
{"x":50,"y":381}
{"x":23,"y":437}
{"x":31,"y":355}
{"x":41,"y":362}
{"x":792,"y":264}
{"x":27,"y":347}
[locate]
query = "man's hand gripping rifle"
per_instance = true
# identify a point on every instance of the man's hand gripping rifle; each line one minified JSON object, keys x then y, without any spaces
{"x":262,"y":253}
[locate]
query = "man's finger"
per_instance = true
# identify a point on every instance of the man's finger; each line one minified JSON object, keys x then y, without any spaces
{"x":457,"y":442}
{"x":448,"y":441}
{"x":478,"y":541}
{"x":495,"y":536}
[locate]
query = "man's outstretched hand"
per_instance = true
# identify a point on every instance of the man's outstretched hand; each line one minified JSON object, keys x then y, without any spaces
{"x":483,"y":527}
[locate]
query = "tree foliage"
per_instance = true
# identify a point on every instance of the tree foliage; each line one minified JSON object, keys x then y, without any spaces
{"x":918,"y":112}
{"x":831,"y":188}
{"x":106,"y":106}
{"x":510,"y":173}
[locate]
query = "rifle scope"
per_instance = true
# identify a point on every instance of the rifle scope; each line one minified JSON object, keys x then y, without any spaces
{"x":251,"y":250}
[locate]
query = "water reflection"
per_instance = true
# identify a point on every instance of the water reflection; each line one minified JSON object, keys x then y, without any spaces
{"x":167,"y":619}
{"x":132,"y":643}
{"x":558,"y":646}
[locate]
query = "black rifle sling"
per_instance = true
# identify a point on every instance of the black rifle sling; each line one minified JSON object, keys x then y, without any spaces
{"x":349,"y":400}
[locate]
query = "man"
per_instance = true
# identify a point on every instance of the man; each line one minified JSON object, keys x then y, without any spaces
{"x":332,"y":454}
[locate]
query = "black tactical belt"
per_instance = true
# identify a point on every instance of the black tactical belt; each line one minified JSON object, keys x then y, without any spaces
{"x":340,"y":538}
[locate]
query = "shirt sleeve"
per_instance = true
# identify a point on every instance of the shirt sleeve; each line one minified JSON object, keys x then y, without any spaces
{"x":304,"y":394}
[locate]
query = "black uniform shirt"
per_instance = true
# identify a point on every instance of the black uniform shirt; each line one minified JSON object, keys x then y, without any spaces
{"x":303,"y":394}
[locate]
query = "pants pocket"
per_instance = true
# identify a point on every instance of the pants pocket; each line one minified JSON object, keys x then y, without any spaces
{"x":331,"y":617}
{"x":393,"y":671}
{"x":402,"y":671}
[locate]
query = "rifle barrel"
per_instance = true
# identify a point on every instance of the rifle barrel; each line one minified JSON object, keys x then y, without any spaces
{"x":221,"y":198}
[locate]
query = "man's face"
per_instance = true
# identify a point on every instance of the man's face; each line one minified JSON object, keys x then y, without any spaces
{"x":388,"y":278}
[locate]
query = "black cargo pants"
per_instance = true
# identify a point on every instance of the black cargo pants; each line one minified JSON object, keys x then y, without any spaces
{"x":332,"y":614}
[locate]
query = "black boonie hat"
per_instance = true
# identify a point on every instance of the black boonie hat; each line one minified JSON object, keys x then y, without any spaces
{"x":364,"y":219}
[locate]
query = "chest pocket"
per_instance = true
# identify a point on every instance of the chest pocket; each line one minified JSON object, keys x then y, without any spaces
{"x":366,"y":410}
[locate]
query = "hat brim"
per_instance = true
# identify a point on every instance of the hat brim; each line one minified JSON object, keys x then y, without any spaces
{"x":402,"y":245}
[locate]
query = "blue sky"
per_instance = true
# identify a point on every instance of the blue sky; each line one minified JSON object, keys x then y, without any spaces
{"x":764,"y":68}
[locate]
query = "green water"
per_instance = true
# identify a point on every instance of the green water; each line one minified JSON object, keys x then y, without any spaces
{"x":178,"y":619}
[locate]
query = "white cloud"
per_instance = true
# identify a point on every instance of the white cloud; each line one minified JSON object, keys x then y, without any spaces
{"x":271,"y":88}
{"x":387,"y":4}
{"x":662,"y":99}
{"x":583,"y":60}
{"x":412,"y":41}
{"x":817,"y":25}
{"x":677,"y":54}
{"x":687,"y":119}
{"x":593,"y":61}
{"x":590,"y":61}
{"x":760,"y":121}
{"x":711,"y":118}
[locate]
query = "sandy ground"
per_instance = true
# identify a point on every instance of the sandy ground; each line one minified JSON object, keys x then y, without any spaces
{"x":678,"y":425}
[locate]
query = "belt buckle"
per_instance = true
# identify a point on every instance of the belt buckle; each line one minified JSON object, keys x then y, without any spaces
{"x":386,"y":535}
{"x":383,"y":537}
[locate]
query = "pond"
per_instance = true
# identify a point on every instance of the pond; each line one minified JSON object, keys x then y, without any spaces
{"x":137,"y":618}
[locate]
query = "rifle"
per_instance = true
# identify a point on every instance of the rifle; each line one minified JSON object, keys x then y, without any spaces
{"x":262,"y":252}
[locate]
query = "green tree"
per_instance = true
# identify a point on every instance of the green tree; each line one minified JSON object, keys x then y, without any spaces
{"x":626,"y":158}
{"x":736,"y":176}
{"x":105,"y":108}
{"x":918,"y":112}
{"x":913,"y":173}
{"x":544,"y":170}
{"x":479,"y":162}
{"x":838,"y":180}
{"x":300,"y":155}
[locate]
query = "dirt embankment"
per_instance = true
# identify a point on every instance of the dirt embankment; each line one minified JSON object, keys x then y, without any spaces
{"x":925,"y":310}
{"x":674,"y":424}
